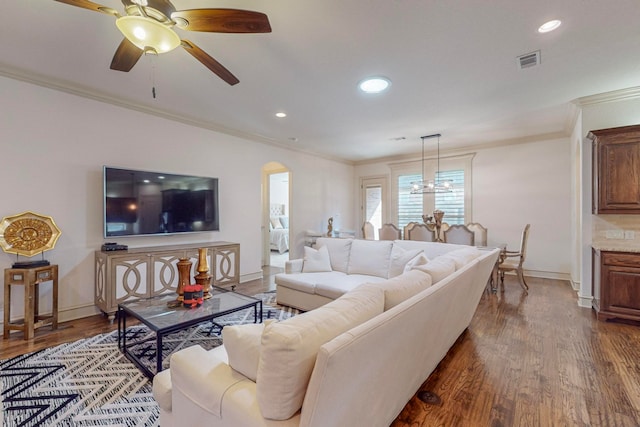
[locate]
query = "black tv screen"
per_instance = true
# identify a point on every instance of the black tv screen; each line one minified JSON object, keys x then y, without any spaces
{"x":147,"y":203}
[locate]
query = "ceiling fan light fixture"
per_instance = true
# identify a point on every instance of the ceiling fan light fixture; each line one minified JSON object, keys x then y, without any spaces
{"x":147,"y":33}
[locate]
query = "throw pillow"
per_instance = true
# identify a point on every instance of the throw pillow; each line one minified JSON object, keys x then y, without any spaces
{"x":242,"y":343}
{"x":289,"y":348}
{"x":421,"y":259}
{"x":275,"y":222}
{"x":399,"y":259}
{"x":284,"y":220}
{"x":316,"y":260}
{"x":438,"y":268}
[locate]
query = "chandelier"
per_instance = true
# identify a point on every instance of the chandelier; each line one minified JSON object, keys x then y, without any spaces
{"x":433,"y":185}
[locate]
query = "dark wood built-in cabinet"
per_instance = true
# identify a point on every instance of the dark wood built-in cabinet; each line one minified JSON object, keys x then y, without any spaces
{"x":616,"y":170}
{"x":616,"y":285}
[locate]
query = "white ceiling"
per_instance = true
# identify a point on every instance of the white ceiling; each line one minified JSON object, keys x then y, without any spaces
{"x":452,"y":63}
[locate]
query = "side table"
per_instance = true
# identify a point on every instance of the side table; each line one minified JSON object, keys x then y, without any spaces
{"x":30,"y":278}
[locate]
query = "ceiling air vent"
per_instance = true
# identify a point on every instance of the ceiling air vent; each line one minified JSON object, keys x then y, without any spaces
{"x":529,"y":60}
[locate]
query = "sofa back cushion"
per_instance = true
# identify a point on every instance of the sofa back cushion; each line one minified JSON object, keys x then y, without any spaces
{"x":289,"y":348}
{"x":438,"y":268}
{"x":371,"y":257}
{"x":463,"y":256}
{"x":339,"y":250}
{"x":403,"y":287}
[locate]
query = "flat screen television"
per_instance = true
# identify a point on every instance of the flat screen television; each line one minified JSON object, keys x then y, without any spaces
{"x":149,"y":203}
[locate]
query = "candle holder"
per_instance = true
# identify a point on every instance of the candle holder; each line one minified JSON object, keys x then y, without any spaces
{"x":203,"y":277}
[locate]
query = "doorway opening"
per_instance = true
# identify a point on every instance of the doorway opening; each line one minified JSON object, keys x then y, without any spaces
{"x":276,"y":220}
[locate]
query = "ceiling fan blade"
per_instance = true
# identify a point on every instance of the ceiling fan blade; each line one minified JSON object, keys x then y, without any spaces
{"x":126,"y":56}
{"x":222,"y":21}
{"x":86,"y":4}
{"x":209,"y":62}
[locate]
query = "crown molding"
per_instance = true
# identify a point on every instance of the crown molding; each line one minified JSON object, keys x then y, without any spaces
{"x":85,"y":92}
{"x":468,"y":149}
{"x":613,"y":96}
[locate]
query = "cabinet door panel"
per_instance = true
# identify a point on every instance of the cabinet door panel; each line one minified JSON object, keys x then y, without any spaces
{"x":623,"y":290}
{"x":621,"y":187}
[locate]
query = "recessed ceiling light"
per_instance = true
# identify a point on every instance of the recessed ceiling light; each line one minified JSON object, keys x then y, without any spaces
{"x":549,"y":26}
{"x":281,"y":114}
{"x":374,"y":84}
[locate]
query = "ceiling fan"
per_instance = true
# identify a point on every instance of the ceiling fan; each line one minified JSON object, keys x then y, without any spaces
{"x":147,"y":26}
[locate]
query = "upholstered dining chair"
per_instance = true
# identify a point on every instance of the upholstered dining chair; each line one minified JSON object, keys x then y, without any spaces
{"x":421,"y":232}
{"x":460,"y":234}
{"x":409,"y":226}
{"x":368,"y":231}
{"x":389,"y":232}
{"x":516,"y":263}
{"x":479,"y":232}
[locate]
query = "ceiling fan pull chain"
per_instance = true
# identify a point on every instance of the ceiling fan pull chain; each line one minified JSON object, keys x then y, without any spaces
{"x":153,"y":75}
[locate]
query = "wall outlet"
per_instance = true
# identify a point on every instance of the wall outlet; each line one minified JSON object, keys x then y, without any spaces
{"x":629,"y":235}
{"x":614,"y":234}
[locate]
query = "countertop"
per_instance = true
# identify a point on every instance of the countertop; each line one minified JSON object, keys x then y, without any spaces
{"x":616,"y":247}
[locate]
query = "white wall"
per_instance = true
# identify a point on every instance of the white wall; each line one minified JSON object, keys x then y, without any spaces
{"x":54,"y":146}
{"x":520,"y":184}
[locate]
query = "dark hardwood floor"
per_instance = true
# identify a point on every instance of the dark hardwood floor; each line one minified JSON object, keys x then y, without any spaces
{"x":526,"y":360}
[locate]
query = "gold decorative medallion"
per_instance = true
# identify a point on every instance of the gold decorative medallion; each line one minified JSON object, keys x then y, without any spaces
{"x":28,"y":234}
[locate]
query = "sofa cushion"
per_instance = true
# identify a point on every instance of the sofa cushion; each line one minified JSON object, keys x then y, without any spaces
{"x":331,"y":288}
{"x":438,"y":268}
{"x":316,"y":260}
{"x":162,"y":389}
{"x":339,"y":250}
{"x":242,"y":343}
{"x":370,"y":257}
{"x":462,"y":257}
{"x":431,"y":249}
{"x":306,"y":282}
{"x":399,"y":259}
{"x":404,"y":286}
{"x":289,"y":348}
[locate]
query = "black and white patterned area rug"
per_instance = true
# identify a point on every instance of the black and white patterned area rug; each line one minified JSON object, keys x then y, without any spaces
{"x":90,"y":383}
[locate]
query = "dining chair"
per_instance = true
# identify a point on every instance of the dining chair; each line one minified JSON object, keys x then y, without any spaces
{"x":480,"y":233}
{"x":460,"y":234}
{"x":516,"y":264}
{"x":368,"y":231}
{"x":389,"y":232}
{"x":421,"y":232}
{"x":409,"y":226}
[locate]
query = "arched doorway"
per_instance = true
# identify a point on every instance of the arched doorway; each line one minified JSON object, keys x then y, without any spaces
{"x":276,"y":214}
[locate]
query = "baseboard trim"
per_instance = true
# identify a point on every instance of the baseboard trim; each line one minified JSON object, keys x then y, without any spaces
{"x":547,"y":275}
{"x":585,"y":301}
{"x":251,"y":276}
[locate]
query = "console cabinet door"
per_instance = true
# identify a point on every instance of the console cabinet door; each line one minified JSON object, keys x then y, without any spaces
{"x":146,"y":272}
{"x":616,"y":170}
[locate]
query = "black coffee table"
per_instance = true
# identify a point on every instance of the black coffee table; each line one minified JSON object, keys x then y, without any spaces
{"x":163,"y":320}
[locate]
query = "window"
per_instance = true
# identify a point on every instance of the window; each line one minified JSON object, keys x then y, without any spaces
{"x":410,"y":206}
{"x":452,"y":203}
{"x":455,"y":204}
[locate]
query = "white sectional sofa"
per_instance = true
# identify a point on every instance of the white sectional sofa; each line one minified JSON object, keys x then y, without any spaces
{"x":354,"y":361}
{"x":308,"y":285}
